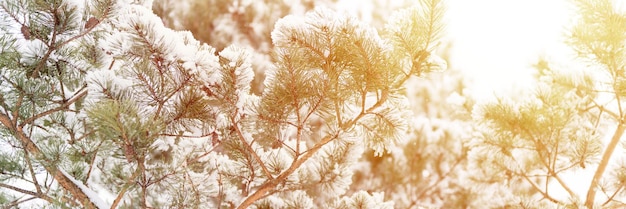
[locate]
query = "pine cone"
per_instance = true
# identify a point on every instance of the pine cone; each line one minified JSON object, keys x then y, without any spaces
{"x":91,"y":23}
{"x":129,"y":152}
{"x":25,"y":32}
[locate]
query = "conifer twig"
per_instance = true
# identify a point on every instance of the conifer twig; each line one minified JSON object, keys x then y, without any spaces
{"x":297,"y":162}
{"x":78,"y":95}
{"x":543,"y":193}
{"x":611,"y":198}
{"x":250,"y":150}
{"x":31,"y":193}
{"x":32,"y":171}
{"x":562,"y":183}
{"x":130,"y":180}
{"x":617,"y":135}
{"x":56,"y":173}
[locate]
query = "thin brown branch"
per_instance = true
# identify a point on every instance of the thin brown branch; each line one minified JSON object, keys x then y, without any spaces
{"x":250,"y":150}
{"x":269,"y":185}
{"x":603,"y":109}
{"x":32,"y":171}
{"x":17,"y":202}
{"x":51,"y":47}
{"x":129,"y":182}
{"x":17,"y":20}
{"x":571,"y":165}
{"x":563,"y":184}
{"x":16,"y":108}
{"x":144,"y":185}
{"x":440,"y":179}
{"x":536,"y":187}
{"x":31,"y":193}
{"x":163,"y":177}
{"x":185,"y":136}
{"x":619,"y":102}
{"x":92,"y":163}
{"x":83,"y":33}
{"x":189,"y":161}
{"x":612,"y":197}
{"x":56,"y":172}
{"x":276,"y":121}
{"x":193,"y":186}
{"x":78,"y":95}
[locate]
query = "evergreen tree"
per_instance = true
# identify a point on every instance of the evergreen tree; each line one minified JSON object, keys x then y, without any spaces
{"x":102,"y":106}
{"x":220,"y":23}
{"x":43,"y":65}
{"x":571,"y":122}
{"x":429,"y":169}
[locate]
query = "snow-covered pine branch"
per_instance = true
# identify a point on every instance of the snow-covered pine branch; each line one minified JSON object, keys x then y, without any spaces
{"x":107,"y":100}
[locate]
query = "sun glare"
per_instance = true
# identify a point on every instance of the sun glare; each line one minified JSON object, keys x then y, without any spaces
{"x":496,"y":42}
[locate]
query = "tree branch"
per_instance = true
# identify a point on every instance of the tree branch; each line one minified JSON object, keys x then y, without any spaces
{"x":31,"y":193}
{"x":563,"y":184}
{"x":591,"y":192}
{"x":32,"y":171}
{"x":536,"y":187}
{"x":269,"y":185}
{"x":250,"y":150}
{"x":17,"y":202}
{"x":125,"y":188}
{"x":78,"y":95}
{"x":612,"y":197}
{"x":63,"y":180}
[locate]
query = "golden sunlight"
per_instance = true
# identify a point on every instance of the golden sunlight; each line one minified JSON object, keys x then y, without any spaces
{"x":498,"y":41}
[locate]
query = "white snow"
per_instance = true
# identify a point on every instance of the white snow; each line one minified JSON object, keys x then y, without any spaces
{"x":455,"y":99}
{"x":243,"y":71}
{"x":93,"y":196}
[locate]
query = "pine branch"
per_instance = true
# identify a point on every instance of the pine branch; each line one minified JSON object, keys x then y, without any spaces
{"x":250,"y":150}
{"x":129,"y":182}
{"x":543,"y":193}
{"x":15,"y":203}
{"x":32,"y":172}
{"x":78,"y":95}
{"x":55,"y":171}
{"x":271,"y":184}
{"x":298,"y":161}
{"x":617,"y":135}
{"x":31,"y":193}
{"x":440,"y":178}
{"x":562,"y":183}
{"x":612,"y":197}
{"x":434,"y":12}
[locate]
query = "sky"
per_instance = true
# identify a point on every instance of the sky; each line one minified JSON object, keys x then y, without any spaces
{"x":497,"y":41}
